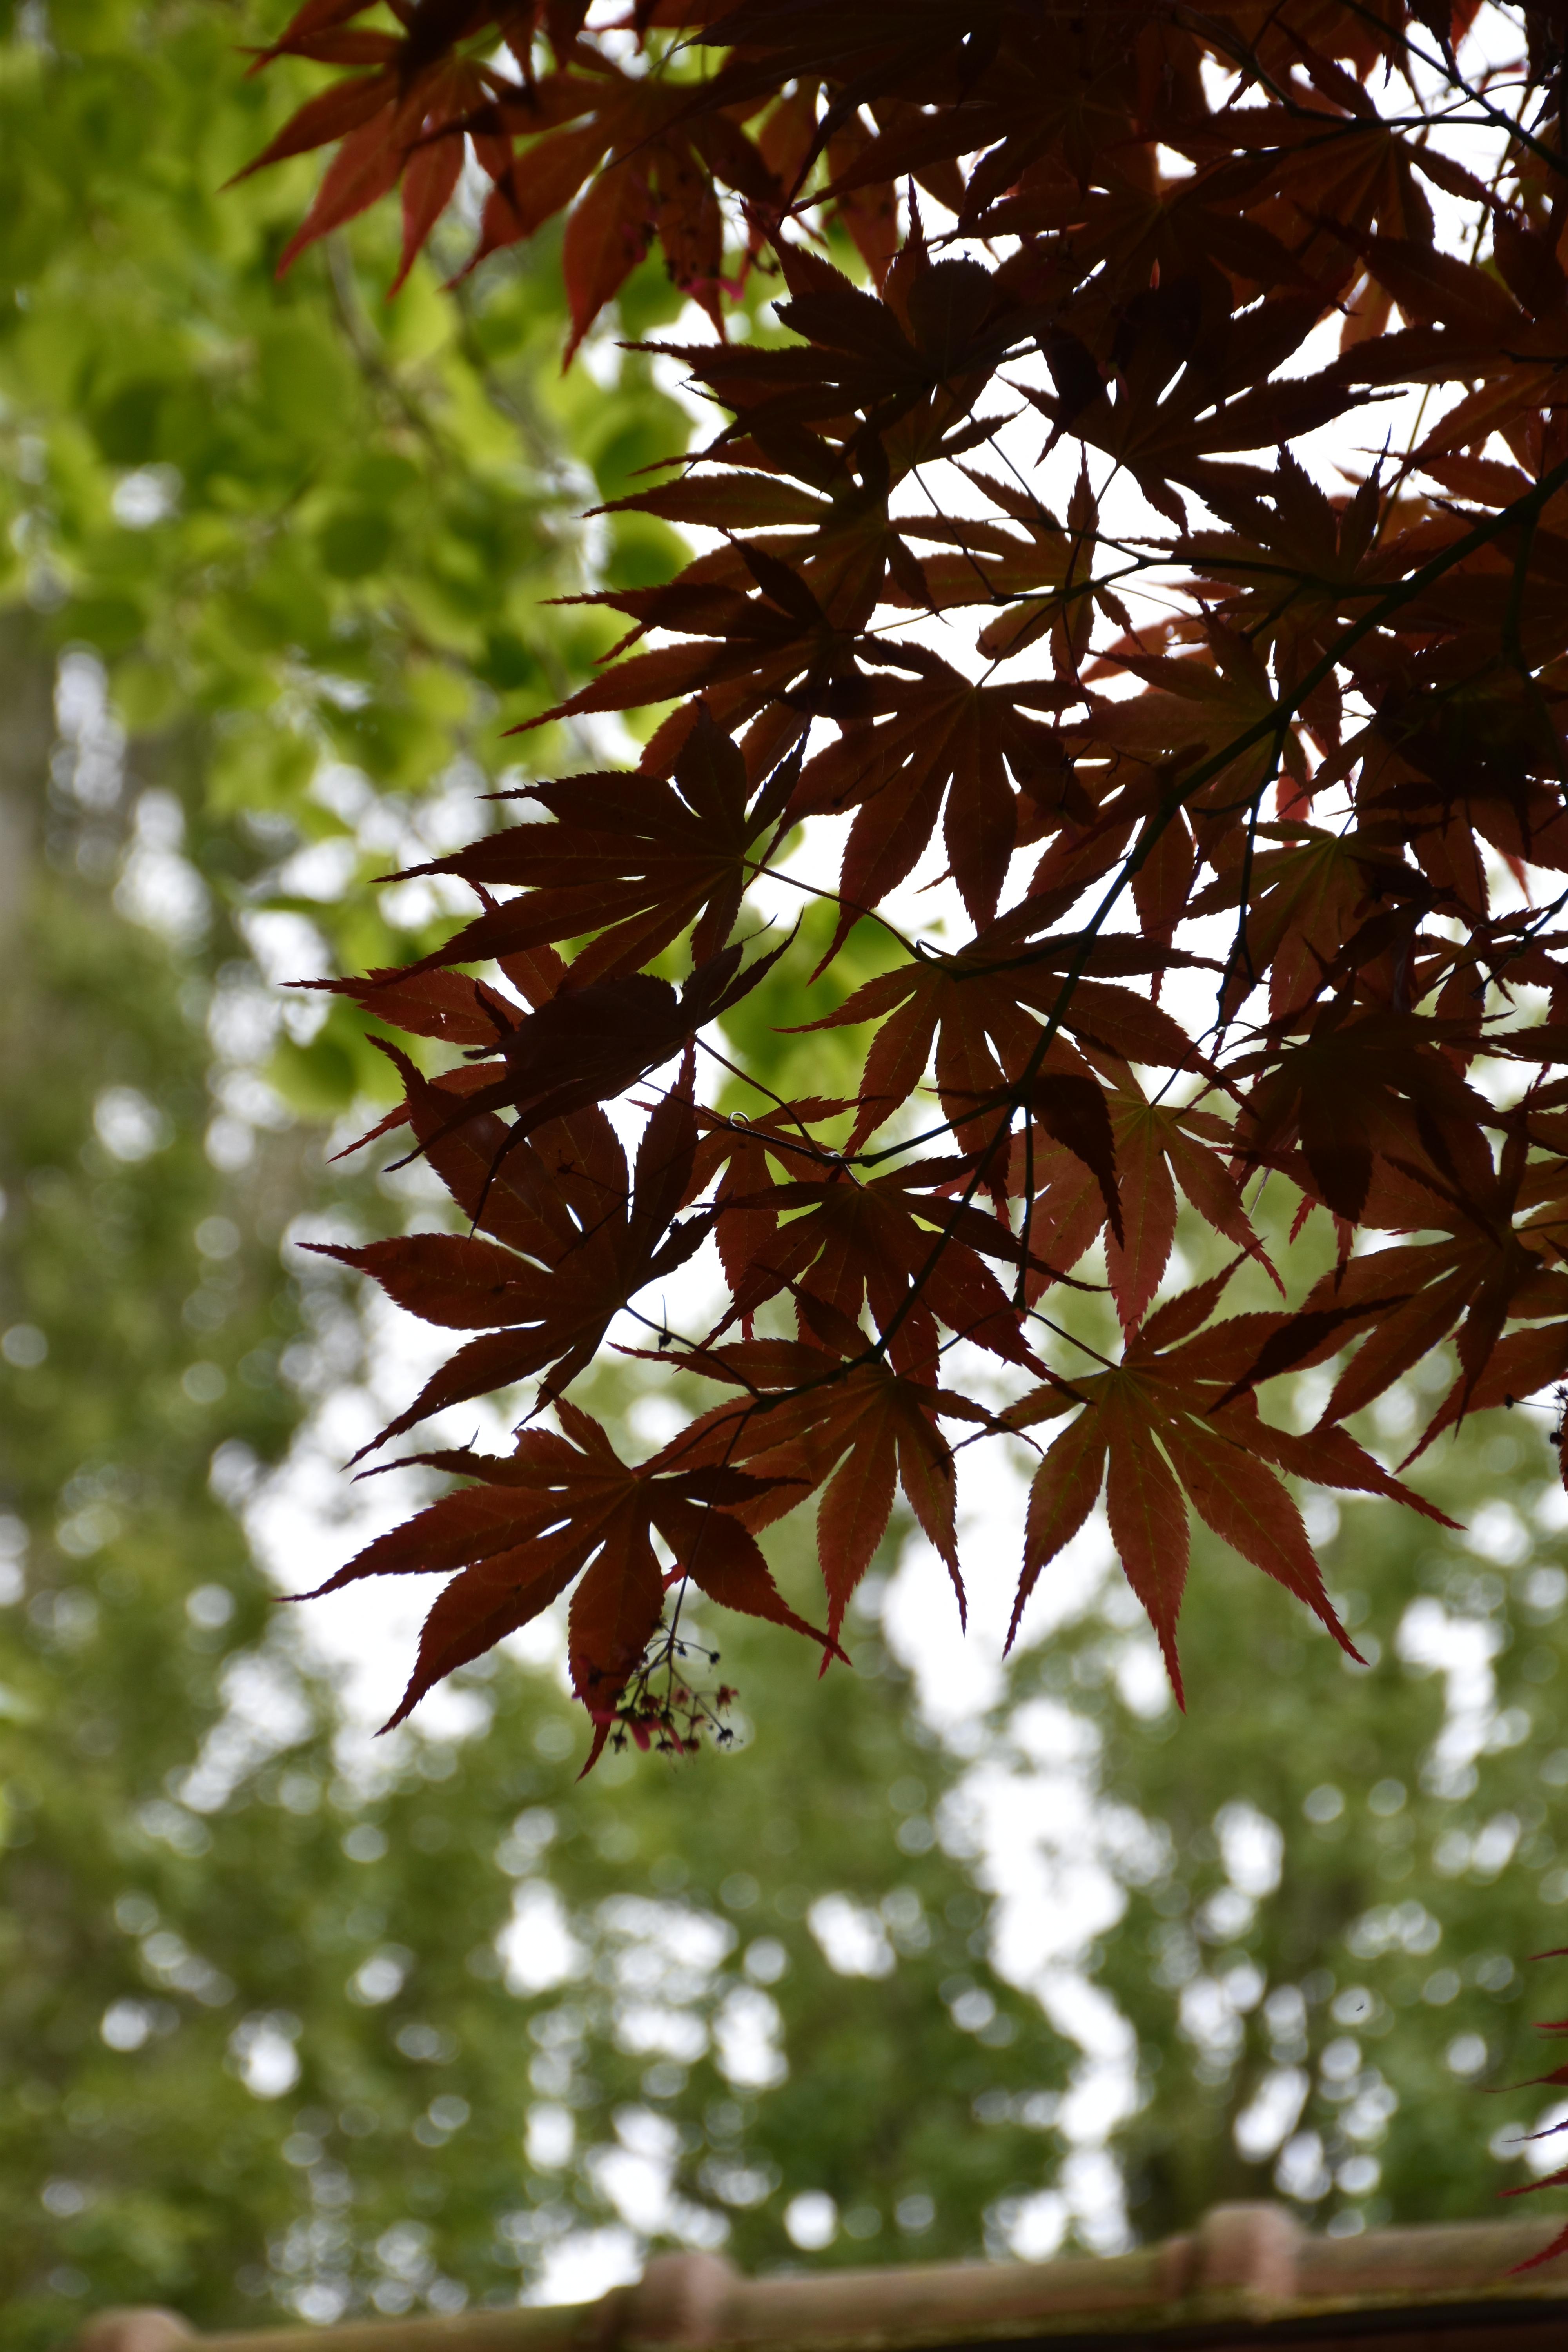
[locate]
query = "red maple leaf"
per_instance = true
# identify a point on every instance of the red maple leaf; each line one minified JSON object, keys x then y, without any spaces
{"x":555,"y":1508}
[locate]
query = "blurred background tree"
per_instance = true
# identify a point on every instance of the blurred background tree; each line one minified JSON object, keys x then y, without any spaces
{"x":1334,"y":1874}
{"x":277,"y":2033}
{"x":285,"y":2026}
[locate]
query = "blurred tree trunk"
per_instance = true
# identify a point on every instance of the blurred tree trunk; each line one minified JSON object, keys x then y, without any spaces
{"x":27,"y":730}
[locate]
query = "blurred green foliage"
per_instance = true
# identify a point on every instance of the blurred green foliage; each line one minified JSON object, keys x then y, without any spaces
{"x":299,"y":523}
{"x":285,"y":2030}
{"x":1326,"y":1940}
{"x":259,"y":2048}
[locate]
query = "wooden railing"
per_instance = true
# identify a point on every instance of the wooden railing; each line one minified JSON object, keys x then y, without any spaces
{"x":1247,"y":2277}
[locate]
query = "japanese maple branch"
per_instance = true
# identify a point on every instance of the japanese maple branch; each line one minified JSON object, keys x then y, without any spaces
{"x":1269,"y":729}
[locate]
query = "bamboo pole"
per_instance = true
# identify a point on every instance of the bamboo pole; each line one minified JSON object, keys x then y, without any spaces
{"x":1244,"y":2264}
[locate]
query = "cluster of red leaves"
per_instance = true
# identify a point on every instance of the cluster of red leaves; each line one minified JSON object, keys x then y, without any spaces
{"x":1334,"y":723}
{"x":1225,"y":726}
